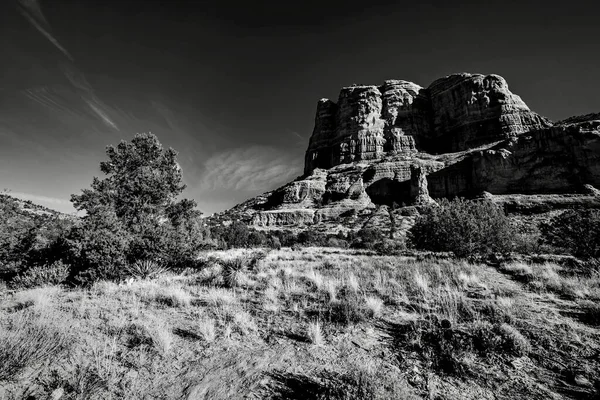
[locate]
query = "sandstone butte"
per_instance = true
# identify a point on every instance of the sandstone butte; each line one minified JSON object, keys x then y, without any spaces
{"x":402,"y":145}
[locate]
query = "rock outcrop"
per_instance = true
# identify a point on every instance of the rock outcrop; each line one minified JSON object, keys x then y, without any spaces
{"x":399,"y":144}
{"x":454,"y":113}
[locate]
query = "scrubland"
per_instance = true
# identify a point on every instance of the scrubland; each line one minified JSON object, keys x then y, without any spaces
{"x":316,"y":323}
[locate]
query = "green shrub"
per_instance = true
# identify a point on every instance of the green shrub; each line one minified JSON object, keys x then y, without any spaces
{"x":576,"y":232}
{"x":466,"y":228}
{"x":52,"y":274}
{"x":367,"y":238}
{"x":237,"y":235}
{"x":98,"y":248}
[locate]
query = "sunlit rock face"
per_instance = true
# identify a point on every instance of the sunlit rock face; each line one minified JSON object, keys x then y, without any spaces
{"x":399,"y":144}
{"x":473,"y":110}
{"x":455,"y":113}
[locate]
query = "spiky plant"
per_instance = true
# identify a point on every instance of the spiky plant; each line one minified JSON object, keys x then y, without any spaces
{"x":145,"y":269}
{"x":233,"y":270}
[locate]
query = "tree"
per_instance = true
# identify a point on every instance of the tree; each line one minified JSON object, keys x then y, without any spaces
{"x":134,"y":210}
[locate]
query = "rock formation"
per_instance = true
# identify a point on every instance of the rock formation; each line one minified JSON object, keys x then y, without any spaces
{"x":400,"y":144}
{"x":454,"y":113}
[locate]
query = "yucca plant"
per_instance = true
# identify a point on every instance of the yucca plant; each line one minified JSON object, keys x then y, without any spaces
{"x":145,"y":269}
{"x":233,"y":269}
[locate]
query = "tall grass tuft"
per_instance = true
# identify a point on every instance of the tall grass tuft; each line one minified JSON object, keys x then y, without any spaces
{"x":28,"y":341}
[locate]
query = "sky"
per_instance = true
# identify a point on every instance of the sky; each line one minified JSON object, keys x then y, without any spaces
{"x":233,"y":85}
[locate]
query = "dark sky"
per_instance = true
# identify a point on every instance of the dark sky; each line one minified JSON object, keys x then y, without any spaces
{"x":233,"y":85}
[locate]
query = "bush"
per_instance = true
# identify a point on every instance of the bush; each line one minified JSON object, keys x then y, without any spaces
{"x":367,"y":238}
{"x":466,"y":228}
{"x":576,"y":232}
{"x":52,"y":274}
{"x":98,"y":248}
{"x":237,"y":235}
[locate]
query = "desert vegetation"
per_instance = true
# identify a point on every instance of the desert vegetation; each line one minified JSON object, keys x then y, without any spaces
{"x":328,"y":323}
{"x":140,"y":297}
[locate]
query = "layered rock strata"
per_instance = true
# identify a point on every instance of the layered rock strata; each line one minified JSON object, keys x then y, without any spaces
{"x":454,"y":113}
{"x":383,"y":147}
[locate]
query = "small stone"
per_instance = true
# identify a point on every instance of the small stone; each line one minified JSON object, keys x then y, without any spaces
{"x":57,"y":393}
{"x":582,"y":381}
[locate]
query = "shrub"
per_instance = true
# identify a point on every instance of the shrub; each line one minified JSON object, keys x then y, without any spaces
{"x":98,"y":248}
{"x":466,"y":228}
{"x":368,"y":238}
{"x":576,"y":232}
{"x":274,"y":242}
{"x":29,"y":239}
{"x":52,"y":274}
{"x":237,"y":235}
{"x":257,"y":239}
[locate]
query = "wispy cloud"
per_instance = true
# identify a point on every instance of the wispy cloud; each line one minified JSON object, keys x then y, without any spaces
{"x":32,"y":11}
{"x":252,"y":169}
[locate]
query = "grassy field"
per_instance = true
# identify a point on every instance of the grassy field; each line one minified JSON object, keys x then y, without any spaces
{"x":318,"y":323}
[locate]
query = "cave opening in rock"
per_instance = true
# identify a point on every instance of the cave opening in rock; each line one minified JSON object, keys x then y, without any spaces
{"x":388,"y":191}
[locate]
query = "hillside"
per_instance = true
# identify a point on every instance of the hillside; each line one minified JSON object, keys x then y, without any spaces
{"x":26,"y":208}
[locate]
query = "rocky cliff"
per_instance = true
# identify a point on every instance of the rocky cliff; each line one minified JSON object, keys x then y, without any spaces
{"x":401,"y":144}
{"x":454,"y":113}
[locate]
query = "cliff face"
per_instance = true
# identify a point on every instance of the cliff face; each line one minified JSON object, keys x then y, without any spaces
{"x":454,"y":113}
{"x":403,"y":145}
{"x":473,"y":110}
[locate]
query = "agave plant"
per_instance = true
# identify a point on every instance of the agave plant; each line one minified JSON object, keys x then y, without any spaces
{"x":145,"y":269}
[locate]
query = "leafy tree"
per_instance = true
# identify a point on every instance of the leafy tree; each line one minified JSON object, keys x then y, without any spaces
{"x":464,"y":227}
{"x":133,"y":213}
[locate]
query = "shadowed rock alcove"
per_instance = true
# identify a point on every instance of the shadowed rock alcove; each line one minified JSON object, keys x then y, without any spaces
{"x":388,"y":191}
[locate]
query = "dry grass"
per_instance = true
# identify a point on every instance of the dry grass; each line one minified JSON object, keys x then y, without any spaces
{"x":207,"y":329}
{"x":29,"y":340}
{"x":322,"y":322}
{"x":314,"y":333}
